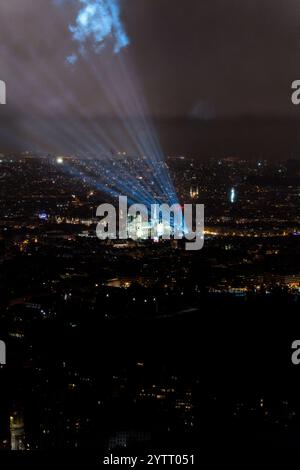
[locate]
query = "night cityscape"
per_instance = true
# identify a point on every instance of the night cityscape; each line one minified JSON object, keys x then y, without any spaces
{"x":113,"y":344}
{"x":139,"y":349}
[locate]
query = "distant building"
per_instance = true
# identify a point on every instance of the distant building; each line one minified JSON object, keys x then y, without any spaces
{"x":2,"y":92}
{"x":17,"y":431}
{"x":124,"y":439}
{"x":2,"y":353}
{"x":194,"y":192}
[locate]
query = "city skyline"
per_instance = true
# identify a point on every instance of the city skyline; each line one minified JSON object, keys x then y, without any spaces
{"x":149,"y":231}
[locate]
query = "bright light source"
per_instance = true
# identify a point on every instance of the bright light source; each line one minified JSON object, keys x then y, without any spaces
{"x":232,"y":195}
{"x":59,"y":160}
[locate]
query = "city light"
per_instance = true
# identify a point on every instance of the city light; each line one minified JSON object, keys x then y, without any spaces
{"x":232,"y":195}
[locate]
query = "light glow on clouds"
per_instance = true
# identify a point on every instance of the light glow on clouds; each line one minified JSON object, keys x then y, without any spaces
{"x":99,"y":21}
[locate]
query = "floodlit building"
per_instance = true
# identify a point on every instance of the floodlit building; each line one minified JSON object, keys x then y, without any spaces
{"x":17,"y":431}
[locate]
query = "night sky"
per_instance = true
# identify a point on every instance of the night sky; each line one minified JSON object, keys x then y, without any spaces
{"x":196,"y":61}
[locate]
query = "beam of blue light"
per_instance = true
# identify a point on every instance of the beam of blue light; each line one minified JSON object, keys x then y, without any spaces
{"x":127,"y":103}
{"x":86,"y":143}
{"x":94,"y":22}
{"x":91,"y":140}
{"x":134,"y":103}
{"x":116,"y":180}
{"x":85,"y":135}
{"x":113,"y":191}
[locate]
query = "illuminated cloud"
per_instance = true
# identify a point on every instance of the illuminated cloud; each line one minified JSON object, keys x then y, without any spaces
{"x":71,"y":59}
{"x":99,"y":21}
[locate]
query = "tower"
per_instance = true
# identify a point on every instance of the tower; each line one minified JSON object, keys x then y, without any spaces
{"x":17,"y":432}
{"x":232,"y":195}
{"x":194,"y":193}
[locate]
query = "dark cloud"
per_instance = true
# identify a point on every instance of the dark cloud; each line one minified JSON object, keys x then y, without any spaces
{"x":208,"y":59}
{"x":240,"y":55}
